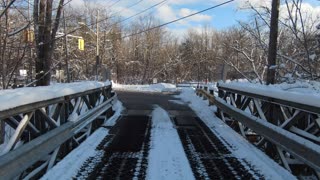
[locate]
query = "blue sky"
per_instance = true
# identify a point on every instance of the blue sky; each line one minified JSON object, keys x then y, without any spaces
{"x":219,"y":18}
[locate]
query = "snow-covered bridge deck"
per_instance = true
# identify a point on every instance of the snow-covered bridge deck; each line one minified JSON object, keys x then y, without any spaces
{"x":165,"y":135}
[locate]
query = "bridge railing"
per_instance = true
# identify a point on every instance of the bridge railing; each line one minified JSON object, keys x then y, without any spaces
{"x":282,"y":124}
{"x":187,"y":84}
{"x":44,"y":131}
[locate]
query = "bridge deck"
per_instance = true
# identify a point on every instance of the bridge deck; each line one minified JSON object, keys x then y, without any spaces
{"x":124,"y":152}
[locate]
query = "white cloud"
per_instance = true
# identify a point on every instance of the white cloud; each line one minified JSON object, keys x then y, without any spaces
{"x":254,"y":3}
{"x":184,"y":2}
{"x":196,"y":18}
{"x":166,"y":13}
{"x":310,"y":15}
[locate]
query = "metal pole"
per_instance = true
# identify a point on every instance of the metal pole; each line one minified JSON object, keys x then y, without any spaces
{"x":66,"y":47}
{"x":97,"y":55}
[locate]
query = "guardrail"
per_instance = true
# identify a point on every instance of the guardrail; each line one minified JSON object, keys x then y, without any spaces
{"x":187,"y":84}
{"x":50,"y":129}
{"x":287,"y":130}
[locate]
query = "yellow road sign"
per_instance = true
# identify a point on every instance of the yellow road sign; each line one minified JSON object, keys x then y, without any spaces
{"x":81,"y":44}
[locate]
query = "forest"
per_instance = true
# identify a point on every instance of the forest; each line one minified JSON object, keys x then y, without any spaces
{"x":40,"y":39}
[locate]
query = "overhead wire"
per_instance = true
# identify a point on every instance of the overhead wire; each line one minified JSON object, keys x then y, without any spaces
{"x":114,"y":3}
{"x":179,"y":19}
{"x":112,"y":15}
{"x":104,"y":19}
{"x":130,"y":17}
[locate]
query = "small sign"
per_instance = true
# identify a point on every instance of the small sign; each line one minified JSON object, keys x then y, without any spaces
{"x":23,"y":72}
{"x":155,"y":80}
{"x":60,"y":75}
{"x":81,"y":44}
{"x":28,"y":36}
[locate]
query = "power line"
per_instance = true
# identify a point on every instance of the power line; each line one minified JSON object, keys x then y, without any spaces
{"x":170,"y":22}
{"x":132,"y":5}
{"x":111,"y":16}
{"x":141,"y":12}
{"x":114,"y":3}
{"x":157,"y":4}
{"x":94,"y":23}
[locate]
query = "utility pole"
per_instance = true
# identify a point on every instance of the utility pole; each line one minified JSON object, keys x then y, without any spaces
{"x":97,"y":55}
{"x":272,"y":53}
{"x":30,"y":44}
{"x":272,"y":57}
{"x":66,"y":47}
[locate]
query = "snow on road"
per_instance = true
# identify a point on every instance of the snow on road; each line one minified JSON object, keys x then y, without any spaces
{"x":167,"y":159}
{"x":240,"y":147}
{"x":161,"y":87}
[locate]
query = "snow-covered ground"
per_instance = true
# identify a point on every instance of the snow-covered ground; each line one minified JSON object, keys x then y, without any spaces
{"x":167,"y":159}
{"x":27,"y":95}
{"x":160,"y":87}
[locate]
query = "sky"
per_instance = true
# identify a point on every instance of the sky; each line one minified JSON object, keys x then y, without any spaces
{"x":218,"y":18}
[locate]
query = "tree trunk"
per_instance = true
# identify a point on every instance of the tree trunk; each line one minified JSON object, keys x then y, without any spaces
{"x":272,"y":53}
{"x":45,"y":38}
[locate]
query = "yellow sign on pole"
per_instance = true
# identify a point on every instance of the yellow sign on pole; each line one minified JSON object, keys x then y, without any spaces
{"x":81,"y":44}
{"x":28,"y":36}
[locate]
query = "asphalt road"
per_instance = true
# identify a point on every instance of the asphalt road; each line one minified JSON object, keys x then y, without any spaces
{"x":142,"y":103}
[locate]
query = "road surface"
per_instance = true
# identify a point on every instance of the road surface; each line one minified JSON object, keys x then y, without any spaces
{"x":125,"y":150}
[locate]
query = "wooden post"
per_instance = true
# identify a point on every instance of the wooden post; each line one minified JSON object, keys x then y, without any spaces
{"x":272,"y":56}
{"x":224,"y":72}
{"x":272,"y":53}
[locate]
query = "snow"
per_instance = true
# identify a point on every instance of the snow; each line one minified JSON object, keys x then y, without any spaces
{"x":160,"y":87}
{"x":27,"y":95}
{"x":301,"y":92}
{"x":280,"y":66}
{"x":167,"y":159}
{"x":70,"y":165}
{"x":118,"y":107}
{"x":240,"y":147}
{"x":313,"y":57}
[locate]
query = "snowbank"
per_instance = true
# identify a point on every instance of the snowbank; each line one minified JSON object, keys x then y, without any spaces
{"x":118,"y":108}
{"x":16,"y":97}
{"x":160,"y":87}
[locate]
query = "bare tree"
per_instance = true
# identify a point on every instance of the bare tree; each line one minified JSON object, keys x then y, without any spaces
{"x":12,"y":46}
